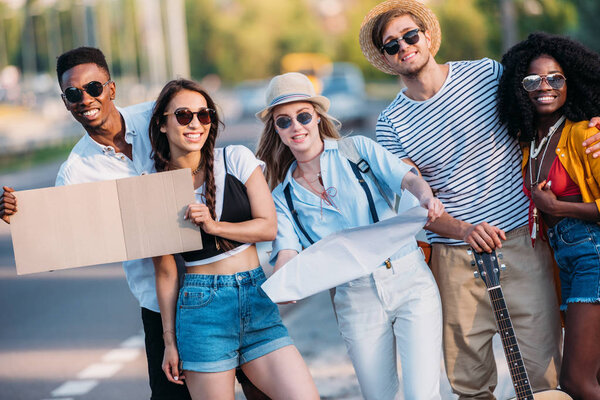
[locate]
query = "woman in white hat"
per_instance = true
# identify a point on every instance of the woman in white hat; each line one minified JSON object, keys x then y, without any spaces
{"x":220,"y":318}
{"x":319,"y":192}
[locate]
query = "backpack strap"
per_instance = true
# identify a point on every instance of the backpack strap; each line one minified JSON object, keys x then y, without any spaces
{"x":347,"y":148}
{"x":365,"y":187}
{"x":290,"y":203}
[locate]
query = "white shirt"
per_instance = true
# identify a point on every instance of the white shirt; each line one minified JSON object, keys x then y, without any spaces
{"x":90,"y":161}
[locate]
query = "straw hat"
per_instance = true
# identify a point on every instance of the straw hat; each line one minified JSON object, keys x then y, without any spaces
{"x":288,"y":88}
{"x":414,"y":7}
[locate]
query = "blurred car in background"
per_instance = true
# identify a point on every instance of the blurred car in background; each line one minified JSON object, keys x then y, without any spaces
{"x":250,"y":97}
{"x":344,"y":85}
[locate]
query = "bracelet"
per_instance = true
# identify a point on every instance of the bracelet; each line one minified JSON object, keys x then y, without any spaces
{"x":169,"y":331}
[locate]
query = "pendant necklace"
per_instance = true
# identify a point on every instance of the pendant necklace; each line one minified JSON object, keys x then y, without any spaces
{"x":533,"y":153}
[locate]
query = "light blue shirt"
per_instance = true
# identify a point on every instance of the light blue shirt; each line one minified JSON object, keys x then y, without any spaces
{"x":90,"y":161}
{"x":350,"y":207}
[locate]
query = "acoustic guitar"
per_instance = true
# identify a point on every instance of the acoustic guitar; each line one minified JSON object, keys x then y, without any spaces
{"x":489,"y":271}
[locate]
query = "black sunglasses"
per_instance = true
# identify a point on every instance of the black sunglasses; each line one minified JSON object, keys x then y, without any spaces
{"x":93,"y":88}
{"x":184,"y":116}
{"x":393,"y":46}
{"x":285,"y":122}
{"x":533,"y":82}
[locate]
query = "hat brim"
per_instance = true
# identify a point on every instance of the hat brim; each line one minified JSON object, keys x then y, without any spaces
{"x":320,"y":100}
{"x":418,"y":9}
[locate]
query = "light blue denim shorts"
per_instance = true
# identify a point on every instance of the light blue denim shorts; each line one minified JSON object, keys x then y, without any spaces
{"x":226,"y":320}
{"x":576,"y":246}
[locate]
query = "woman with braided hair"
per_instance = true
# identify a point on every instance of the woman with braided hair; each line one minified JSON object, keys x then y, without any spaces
{"x":549,"y":89}
{"x":221,"y":318}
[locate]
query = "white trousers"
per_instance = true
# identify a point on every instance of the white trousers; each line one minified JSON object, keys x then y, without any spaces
{"x":398,"y":306}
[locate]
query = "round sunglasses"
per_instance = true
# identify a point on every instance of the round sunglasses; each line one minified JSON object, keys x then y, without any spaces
{"x":93,"y":88}
{"x":285,"y":122}
{"x":533,"y":82}
{"x":393,"y":46}
{"x":184,"y":116}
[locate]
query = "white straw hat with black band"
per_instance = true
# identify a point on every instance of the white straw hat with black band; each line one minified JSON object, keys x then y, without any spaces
{"x":289,"y":88}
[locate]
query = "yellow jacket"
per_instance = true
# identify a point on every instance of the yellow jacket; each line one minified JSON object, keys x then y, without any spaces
{"x":582,"y":168}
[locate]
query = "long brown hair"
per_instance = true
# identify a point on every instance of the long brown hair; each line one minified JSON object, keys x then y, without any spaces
{"x":161,"y":152}
{"x":277,"y":156}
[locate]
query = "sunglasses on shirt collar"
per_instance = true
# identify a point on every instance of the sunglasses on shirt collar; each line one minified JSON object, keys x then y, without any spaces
{"x":393,"y":46}
{"x":93,"y":88}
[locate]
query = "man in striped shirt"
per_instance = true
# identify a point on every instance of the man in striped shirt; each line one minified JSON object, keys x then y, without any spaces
{"x":445,"y":123}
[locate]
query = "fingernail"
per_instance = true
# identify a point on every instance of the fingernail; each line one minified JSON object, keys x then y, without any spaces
{"x":176,"y":378}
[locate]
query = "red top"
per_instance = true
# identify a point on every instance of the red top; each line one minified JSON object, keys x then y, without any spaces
{"x":562,"y":185}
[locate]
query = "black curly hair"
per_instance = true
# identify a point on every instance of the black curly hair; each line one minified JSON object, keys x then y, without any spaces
{"x":80,"y":55}
{"x":581,"y":67}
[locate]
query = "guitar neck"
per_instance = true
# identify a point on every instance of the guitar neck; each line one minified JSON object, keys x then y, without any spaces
{"x":518,"y":373}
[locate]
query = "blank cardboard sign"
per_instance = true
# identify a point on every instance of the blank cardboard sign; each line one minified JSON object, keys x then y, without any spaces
{"x":103,"y":222}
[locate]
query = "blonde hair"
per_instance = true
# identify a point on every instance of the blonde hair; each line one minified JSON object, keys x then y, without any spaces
{"x":277,"y":156}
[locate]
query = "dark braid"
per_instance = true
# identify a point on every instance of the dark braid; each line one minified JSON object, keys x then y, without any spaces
{"x":582,"y":70}
{"x":161,"y":153}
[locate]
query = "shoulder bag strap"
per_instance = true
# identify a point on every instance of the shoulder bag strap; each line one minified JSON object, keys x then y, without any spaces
{"x":290,"y":203}
{"x":347,"y":148}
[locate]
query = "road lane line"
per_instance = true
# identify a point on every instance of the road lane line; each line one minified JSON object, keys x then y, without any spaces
{"x":136,"y":341}
{"x":74,"y":388}
{"x":121,"y":355}
{"x":110,"y":364}
{"x":100,"y":371}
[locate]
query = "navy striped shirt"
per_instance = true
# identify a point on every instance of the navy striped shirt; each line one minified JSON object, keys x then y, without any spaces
{"x":462,"y":150}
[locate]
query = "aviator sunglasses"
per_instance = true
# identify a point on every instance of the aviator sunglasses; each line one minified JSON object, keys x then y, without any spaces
{"x":184,"y":116}
{"x":93,"y":88}
{"x":533,"y":82}
{"x":393,"y":46}
{"x":285,"y":122}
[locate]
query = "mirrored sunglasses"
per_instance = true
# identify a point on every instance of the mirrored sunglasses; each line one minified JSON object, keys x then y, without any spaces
{"x":285,"y":122}
{"x":93,"y":88}
{"x":393,"y":46}
{"x":533,"y":82}
{"x":184,"y":116}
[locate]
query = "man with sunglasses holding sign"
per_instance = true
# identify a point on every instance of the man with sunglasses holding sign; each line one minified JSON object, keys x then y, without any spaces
{"x":445,"y":123}
{"x":116,"y":146}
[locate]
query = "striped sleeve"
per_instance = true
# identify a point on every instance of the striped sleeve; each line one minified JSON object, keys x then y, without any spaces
{"x":388,"y":138}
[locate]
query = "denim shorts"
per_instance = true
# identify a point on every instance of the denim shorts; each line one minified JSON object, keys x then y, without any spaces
{"x":576,"y":246}
{"x":226,"y":320}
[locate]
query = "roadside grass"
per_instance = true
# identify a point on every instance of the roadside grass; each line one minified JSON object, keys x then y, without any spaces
{"x":27,"y":159}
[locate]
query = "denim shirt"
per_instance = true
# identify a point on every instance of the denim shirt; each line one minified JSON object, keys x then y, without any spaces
{"x":90,"y":161}
{"x":350,"y":206}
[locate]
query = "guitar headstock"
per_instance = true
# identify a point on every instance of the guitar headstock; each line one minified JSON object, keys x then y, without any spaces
{"x":487,"y":267}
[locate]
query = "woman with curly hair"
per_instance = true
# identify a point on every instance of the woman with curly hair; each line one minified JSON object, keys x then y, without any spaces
{"x":221,"y":318}
{"x":549,"y":89}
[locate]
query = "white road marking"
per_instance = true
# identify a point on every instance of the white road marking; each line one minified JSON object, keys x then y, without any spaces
{"x":74,"y":388}
{"x":136,"y":341}
{"x":111,"y":363}
{"x":121,"y":355}
{"x":100,"y":371}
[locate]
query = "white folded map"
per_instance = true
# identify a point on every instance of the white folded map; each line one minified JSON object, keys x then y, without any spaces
{"x":344,"y":256}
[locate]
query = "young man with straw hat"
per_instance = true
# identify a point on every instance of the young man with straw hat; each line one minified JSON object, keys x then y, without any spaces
{"x":445,"y":123}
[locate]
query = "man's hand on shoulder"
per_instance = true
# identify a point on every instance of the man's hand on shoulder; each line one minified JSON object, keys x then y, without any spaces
{"x":8,"y":204}
{"x":592,"y":144}
{"x":484,"y":237}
